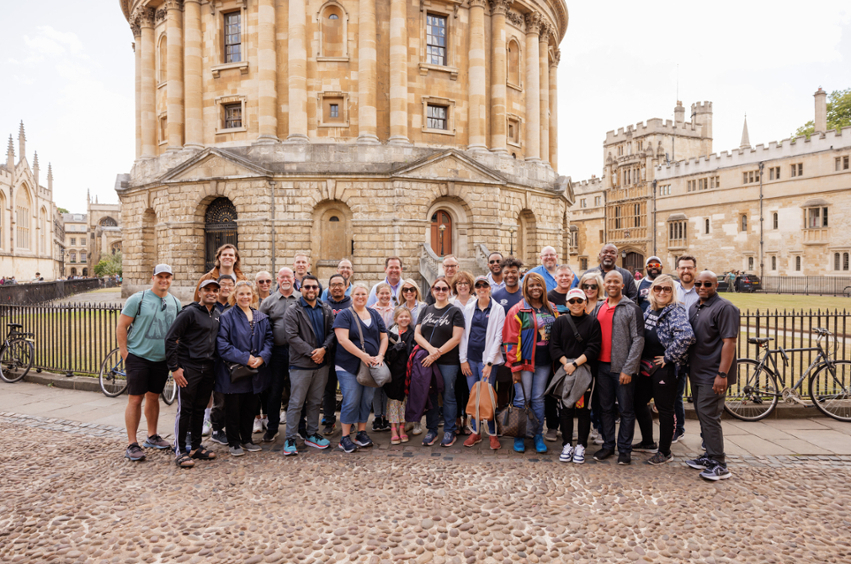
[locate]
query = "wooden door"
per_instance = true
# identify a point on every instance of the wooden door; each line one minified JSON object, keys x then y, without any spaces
{"x":441,"y":239}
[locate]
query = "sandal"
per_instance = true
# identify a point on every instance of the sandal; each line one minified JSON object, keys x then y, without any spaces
{"x":403,"y":437}
{"x":395,"y":440}
{"x":184,"y":461}
{"x":202,"y":453}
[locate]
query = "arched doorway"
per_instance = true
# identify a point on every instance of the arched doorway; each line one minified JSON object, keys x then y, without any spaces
{"x":219,"y":229}
{"x":73,"y":271}
{"x":633,"y":261}
{"x":441,"y":233}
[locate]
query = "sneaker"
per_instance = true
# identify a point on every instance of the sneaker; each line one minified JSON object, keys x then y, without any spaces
{"x":329,"y":429}
{"x":540,"y":445}
{"x":551,"y":435}
{"x":290,"y":448}
{"x":624,"y":459}
{"x":236,"y":450}
{"x":430,"y":438}
{"x":258,"y":425}
{"x":566,"y":454}
{"x":251,"y":447}
{"x":363,"y":440}
{"x":219,"y":437}
{"x":678,"y":436}
{"x":716,"y":471}
{"x":347,"y":446}
{"x":519,"y":445}
{"x":598,"y":440}
{"x":702,"y":462}
{"x":269,"y":436}
{"x":660,"y":458}
{"x":156,"y":441}
{"x":473,"y":440}
{"x":645,"y":447}
{"x":377,"y":426}
{"x":494,"y":440}
{"x":317,"y":441}
{"x":265,"y":422}
{"x":207,"y":428}
{"x":417,"y":429}
{"x":579,"y":455}
{"x":448,"y":440}
{"x":603,"y":454}
{"x":134,"y":452}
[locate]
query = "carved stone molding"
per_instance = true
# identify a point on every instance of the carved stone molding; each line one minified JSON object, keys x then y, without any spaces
{"x":515,"y":18}
{"x":160,"y":15}
{"x":556,"y":58}
{"x":478,"y":3}
{"x":137,"y":31}
{"x":500,"y":6}
{"x":174,"y":4}
{"x":144,"y":17}
{"x":533,"y":23}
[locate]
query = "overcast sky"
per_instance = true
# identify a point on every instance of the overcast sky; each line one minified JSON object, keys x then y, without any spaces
{"x":68,"y":73}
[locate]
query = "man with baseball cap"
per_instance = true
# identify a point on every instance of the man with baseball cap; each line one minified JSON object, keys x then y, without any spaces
{"x":652,"y":268}
{"x":141,"y":331}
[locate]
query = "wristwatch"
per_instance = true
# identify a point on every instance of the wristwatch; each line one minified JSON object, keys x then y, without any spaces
{"x":490,"y":364}
{"x":722,"y":375}
{"x":574,"y":364}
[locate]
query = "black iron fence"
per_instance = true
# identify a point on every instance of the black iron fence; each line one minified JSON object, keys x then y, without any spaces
{"x":40,"y":292}
{"x":810,"y":285}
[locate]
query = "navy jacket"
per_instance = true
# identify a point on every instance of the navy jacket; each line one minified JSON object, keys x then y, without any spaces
{"x":235,"y":345}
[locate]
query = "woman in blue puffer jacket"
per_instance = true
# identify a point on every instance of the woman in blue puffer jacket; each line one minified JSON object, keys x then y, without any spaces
{"x":667,"y":338}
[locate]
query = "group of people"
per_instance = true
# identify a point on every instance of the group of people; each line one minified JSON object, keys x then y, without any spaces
{"x":595,"y":348}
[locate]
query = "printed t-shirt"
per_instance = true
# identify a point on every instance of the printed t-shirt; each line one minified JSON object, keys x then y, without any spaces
{"x":436,"y":326}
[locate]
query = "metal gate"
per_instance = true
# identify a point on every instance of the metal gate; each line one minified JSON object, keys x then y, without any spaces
{"x":219,"y":229}
{"x":633,"y":261}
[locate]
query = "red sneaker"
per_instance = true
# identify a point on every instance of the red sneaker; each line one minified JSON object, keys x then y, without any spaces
{"x":473,"y":440}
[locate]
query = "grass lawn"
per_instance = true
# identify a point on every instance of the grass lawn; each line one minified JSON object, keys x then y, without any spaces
{"x":772,"y":302}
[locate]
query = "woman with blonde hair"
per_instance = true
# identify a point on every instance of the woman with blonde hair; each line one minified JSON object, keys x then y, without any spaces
{"x":410,"y":298}
{"x":592,"y":284}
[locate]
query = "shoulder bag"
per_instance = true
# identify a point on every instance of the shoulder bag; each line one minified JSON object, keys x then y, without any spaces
{"x":239,"y":371}
{"x":512,"y":421}
{"x":370,"y":376}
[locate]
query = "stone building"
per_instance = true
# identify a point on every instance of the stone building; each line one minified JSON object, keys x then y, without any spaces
{"x":342,"y":128}
{"x":77,"y":261}
{"x":104,"y":229}
{"x":27,"y":214}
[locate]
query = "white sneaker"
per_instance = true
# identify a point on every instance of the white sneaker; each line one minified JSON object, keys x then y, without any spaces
{"x":265,"y":422}
{"x":207,"y":428}
{"x":566,"y":453}
{"x":417,"y":430}
{"x":579,"y":454}
{"x":258,"y":425}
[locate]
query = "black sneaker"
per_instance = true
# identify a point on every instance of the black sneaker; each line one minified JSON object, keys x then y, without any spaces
{"x":377,"y":425}
{"x":702,"y":462}
{"x":219,"y":437}
{"x":134,"y":452}
{"x":363,"y":440}
{"x":715,"y":471}
{"x":329,"y":429}
{"x":624,"y":459}
{"x":347,"y":446}
{"x":660,"y":458}
{"x":645,"y":447}
{"x":603,"y":454}
{"x":269,"y":436}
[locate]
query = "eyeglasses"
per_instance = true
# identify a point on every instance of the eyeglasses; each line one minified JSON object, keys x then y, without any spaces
{"x":661,"y":289}
{"x":310,"y":287}
{"x":338,"y":285}
{"x":409,"y":289}
{"x":575,"y":301}
{"x":704,"y":284}
{"x":441,"y":289}
{"x":462,"y":283}
{"x":494,"y":261}
{"x":264,"y":281}
{"x":450,"y":266}
{"x":589,"y":287}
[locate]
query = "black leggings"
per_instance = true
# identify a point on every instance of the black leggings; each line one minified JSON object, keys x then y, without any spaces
{"x":662,"y":388}
{"x":239,"y":417}
{"x":583,"y":414}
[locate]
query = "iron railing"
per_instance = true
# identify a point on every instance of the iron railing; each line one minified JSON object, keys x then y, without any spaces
{"x":809,"y":285}
{"x":39,"y":292}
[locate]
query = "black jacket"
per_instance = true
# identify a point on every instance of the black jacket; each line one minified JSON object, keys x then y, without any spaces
{"x":396,"y":358}
{"x":191,"y":339}
{"x":563,"y":342}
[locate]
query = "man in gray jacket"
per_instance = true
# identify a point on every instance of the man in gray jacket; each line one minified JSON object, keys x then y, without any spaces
{"x":622,"y":325}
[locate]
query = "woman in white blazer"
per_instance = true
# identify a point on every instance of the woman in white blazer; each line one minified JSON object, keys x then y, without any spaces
{"x":480,"y":349}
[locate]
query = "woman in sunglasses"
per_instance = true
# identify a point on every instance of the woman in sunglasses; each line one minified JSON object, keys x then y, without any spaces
{"x":592,"y":283}
{"x":410,"y":298}
{"x":667,"y":338}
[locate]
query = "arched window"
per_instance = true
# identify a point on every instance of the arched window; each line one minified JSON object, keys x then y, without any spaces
{"x":162,"y":62}
{"x":45,"y":229}
{"x":220,"y":228}
{"x":2,"y":222}
{"x":22,"y":218}
{"x":333,"y":20}
{"x":513,"y":62}
{"x":108,"y":222}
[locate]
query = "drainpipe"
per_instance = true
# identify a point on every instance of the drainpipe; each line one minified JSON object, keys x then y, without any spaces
{"x":654,"y":217}
{"x":761,"y":221}
{"x":274,"y":267}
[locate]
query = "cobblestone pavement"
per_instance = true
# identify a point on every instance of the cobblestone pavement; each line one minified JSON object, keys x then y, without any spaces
{"x":67,"y":495}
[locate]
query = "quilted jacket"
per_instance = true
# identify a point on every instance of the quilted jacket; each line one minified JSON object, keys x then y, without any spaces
{"x":675,"y":333}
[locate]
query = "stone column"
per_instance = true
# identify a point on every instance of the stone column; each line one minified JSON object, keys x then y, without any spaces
{"x":497,"y":100}
{"x":533,"y":86}
{"x":367,"y":73}
{"x":477,"y":114}
{"x":192,"y":79}
{"x":544,"y":71}
{"x":554,"y":110}
{"x":149,"y":86}
{"x":297,"y":63}
{"x":137,"y":53}
{"x":267,"y":88}
{"x":398,"y":73}
{"x":174,"y":74}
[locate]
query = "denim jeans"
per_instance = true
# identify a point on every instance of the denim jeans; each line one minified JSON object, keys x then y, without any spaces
{"x":610,"y":388}
{"x":357,"y":399}
{"x":450,"y":407}
{"x":536,"y":383}
{"x":477,"y":368}
{"x":679,"y":410}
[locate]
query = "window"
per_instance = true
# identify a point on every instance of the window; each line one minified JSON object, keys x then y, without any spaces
{"x":82,"y":256}
{"x":750,"y":177}
{"x":163,"y":62}
{"x":73,"y":256}
{"x":637,"y":210}
{"x":334,"y":111}
{"x":233,"y":38}
{"x":743,"y":224}
{"x":750,"y":263}
{"x":602,"y":236}
{"x":841,"y":163}
{"x":718,"y":182}
{"x":23,"y":219}
{"x":775,"y":218}
{"x":706,"y":225}
{"x":815,"y":218}
{"x":573,"y":237}
{"x":233,"y":116}
{"x":618,"y":217}
{"x":583,"y":264}
{"x":774,"y":173}
{"x":73,"y":240}
{"x":665,"y":190}
{"x":513,"y":130}
{"x":798,"y":264}
{"x":773,"y":263}
{"x":582,"y":203}
{"x":437,"y":117}
{"x":677,"y":231}
{"x":797,"y":170}
{"x":436,"y":41}
{"x":513,"y":62}
{"x":597,"y":200}
{"x":163,"y":129}
{"x":333,"y":30}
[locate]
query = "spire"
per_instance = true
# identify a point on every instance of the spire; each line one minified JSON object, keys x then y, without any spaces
{"x":10,"y":155}
{"x":746,"y":140}
{"x":22,"y":141}
{"x":88,"y":195}
{"x":49,"y":177}
{"x":35,"y":169}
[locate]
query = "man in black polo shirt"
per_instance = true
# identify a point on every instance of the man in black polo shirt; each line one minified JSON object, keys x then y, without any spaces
{"x":712,"y":362}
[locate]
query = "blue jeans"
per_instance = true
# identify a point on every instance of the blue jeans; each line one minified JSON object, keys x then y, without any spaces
{"x":536,"y":383}
{"x":450,"y":407}
{"x":476,"y":368}
{"x":679,"y":410}
{"x":609,"y":388}
{"x":357,"y":399}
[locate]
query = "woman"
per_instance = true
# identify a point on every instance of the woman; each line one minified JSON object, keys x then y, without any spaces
{"x":480,"y":349}
{"x":592,"y":284}
{"x":402,"y":343}
{"x":409,"y":297}
{"x":527,"y":337}
{"x":462,"y":287}
{"x":439,"y":331}
{"x":667,"y":338}
{"x":357,"y":398}
{"x":568,"y":351}
{"x":245,"y":337}
{"x":384,"y":307}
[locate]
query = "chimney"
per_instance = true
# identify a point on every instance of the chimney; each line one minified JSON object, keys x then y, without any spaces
{"x":821,"y":111}
{"x":22,"y":141}
{"x":35,"y":169}
{"x":679,"y":113}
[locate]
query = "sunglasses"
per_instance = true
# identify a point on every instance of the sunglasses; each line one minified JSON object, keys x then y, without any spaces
{"x":310,"y":287}
{"x":704,"y":284}
{"x":441,"y":289}
{"x":494,"y":261}
{"x":482,"y":285}
{"x":665,"y":289}
{"x":264,"y":281}
{"x":575,"y":301}
{"x":406,"y":290}
{"x":589,"y":287}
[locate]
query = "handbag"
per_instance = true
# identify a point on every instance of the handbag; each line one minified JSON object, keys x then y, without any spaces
{"x":647,"y":368}
{"x":482,"y":404}
{"x":370,"y":376}
{"x":512,"y":421}
{"x":239,"y":371}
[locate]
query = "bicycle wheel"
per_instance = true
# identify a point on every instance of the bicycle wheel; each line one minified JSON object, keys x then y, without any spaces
{"x":17,"y":360}
{"x":113,"y":376}
{"x":755,"y":393}
{"x":830,"y":390}
{"x":169,"y":393}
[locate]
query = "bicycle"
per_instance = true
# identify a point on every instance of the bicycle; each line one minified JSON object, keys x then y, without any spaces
{"x":113,"y":378}
{"x":16,"y":354}
{"x":755,"y":394}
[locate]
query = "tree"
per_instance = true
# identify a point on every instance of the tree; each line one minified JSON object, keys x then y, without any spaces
{"x":62,"y":210}
{"x":838,"y":113}
{"x":109,"y":265}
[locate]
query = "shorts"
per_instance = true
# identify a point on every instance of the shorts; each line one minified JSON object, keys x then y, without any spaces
{"x":145,"y":376}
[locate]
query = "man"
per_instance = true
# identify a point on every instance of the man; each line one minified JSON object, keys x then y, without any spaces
{"x":712,"y":365}
{"x":450,"y":270}
{"x":227,"y":262}
{"x":214,"y":416}
{"x":510,"y":294}
{"x":495,"y":272}
{"x":226,"y":285}
{"x":548,"y":267}
{"x":275,"y":307}
{"x":731,"y":281}
{"x":263,"y":283}
{"x":151,"y":313}
{"x":190,"y":347}
{"x":608,"y":259}
{"x":653,"y":267}
{"x":687,"y":296}
{"x":307,"y":325}
{"x":622,"y":326}
{"x":301,"y":268}
{"x":344,"y":269}
{"x":393,"y":272}
{"x":338,"y":301}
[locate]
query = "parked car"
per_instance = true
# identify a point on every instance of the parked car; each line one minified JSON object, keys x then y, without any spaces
{"x":723,"y":286}
{"x":748,"y":283}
